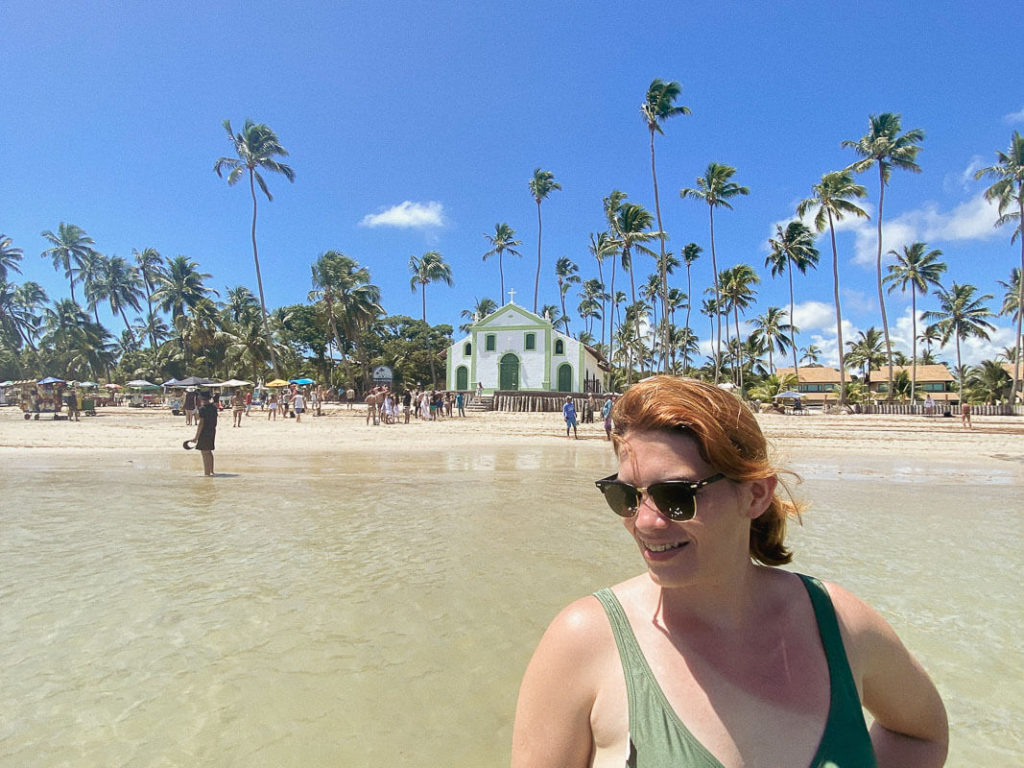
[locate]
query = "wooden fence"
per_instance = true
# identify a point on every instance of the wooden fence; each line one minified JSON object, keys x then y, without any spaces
{"x":941,"y":408}
{"x":540,"y":402}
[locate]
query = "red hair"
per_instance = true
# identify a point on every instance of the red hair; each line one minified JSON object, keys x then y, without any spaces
{"x":728,"y":438}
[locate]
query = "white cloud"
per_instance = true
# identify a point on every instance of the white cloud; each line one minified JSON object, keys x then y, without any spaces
{"x":813,"y":316}
{"x":1015,"y":117}
{"x":971,"y":220}
{"x":407,"y":215}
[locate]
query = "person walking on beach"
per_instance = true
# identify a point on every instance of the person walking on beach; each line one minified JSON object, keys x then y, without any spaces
{"x":713,"y":655}
{"x":965,"y":416}
{"x":298,"y":405}
{"x":569,"y":414}
{"x":460,"y":403}
{"x":206,"y":431}
{"x":72,"y":400}
{"x":479,"y":391}
{"x":272,"y":407}
{"x":237,"y":408}
{"x":190,"y":406}
{"x":606,"y":413}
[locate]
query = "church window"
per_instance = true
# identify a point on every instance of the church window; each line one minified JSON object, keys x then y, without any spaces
{"x":531,"y":341}
{"x":490,"y":342}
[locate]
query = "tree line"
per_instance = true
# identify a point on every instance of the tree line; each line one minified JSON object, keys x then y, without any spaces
{"x":185,"y":329}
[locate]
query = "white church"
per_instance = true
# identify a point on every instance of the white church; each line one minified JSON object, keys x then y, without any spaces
{"x":512,"y":349}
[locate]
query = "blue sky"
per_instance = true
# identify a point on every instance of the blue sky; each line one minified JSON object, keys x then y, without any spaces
{"x":436,"y":114}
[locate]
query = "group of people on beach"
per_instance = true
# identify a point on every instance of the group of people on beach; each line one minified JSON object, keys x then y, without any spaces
{"x":383,"y":406}
{"x":569,"y":414}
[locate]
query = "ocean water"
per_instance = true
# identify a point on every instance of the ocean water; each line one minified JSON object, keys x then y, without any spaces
{"x":356,"y":609}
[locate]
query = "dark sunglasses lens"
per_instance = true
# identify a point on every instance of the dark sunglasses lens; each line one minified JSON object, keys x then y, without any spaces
{"x":621,"y":498}
{"x":673,"y":501}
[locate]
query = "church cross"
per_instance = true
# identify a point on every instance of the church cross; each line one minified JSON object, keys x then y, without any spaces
{"x":511,"y":296}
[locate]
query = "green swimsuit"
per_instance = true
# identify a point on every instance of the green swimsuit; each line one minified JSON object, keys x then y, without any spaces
{"x":659,"y":739}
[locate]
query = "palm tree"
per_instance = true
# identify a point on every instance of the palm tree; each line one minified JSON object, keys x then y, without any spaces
{"x":792,"y":248}
{"x":9,"y":257}
{"x":150,"y":264}
{"x":565,"y":273}
{"x":502,"y":241}
{"x":256,"y":147}
{"x":631,"y":227}
{"x":883,"y":146}
{"x":350,"y":301}
{"x":737,"y":293}
{"x":1012,"y":308}
{"x":988,"y":381}
{"x":430,"y":268}
{"x":481,"y":309}
{"x":92,"y":274}
{"x":1008,"y":189}
{"x":961,"y":315}
{"x":810,"y":354}
{"x":71,"y":247}
{"x":659,"y":106}
{"x":832,"y":203}
{"x":775,"y":332}
{"x":715,"y":189}
{"x":691,"y":252}
{"x":123,"y":288}
{"x":591,"y":305}
{"x":541,"y":185}
{"x":866,"y":351}
{"x":919,"y":268}
{"x":180,"y":288}
{"x":602,"y":246}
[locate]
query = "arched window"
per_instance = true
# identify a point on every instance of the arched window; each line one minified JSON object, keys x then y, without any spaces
{"x":559,"y":347}
{"x":467,"y":349}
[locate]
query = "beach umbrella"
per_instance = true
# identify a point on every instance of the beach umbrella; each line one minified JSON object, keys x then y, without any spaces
{"x":194,"y":381}
{"x":141,"y":384}
{"x":302,"y":382}
{"x":277,"y":383}
{"x":234,"y":383}
{"x":112,"y":386}
{"x":50,"y":380}
{"x":788,"y":395}
{"x":7,"y":383}
{"x":171,"y":383}
{"x":88,"y":384}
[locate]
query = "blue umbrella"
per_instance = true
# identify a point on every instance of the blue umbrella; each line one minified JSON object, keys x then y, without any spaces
{"x":301,"y":382}
{"x":50,"y":380}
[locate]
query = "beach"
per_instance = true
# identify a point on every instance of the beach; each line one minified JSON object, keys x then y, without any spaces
{"x":348,"y":594}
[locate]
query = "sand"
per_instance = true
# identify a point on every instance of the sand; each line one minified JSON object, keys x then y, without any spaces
{"x":154,"y":429}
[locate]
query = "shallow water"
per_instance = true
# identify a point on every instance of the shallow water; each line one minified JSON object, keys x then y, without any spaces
{"x":354,"y":609}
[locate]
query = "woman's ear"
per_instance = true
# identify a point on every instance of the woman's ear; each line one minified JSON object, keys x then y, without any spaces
{"x":761,"y":494}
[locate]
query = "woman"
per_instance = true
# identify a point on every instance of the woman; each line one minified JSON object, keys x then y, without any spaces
{"x":727,"y":662}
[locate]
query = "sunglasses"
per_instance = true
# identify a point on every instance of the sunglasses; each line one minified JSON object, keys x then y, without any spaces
{"x":675,"y":499}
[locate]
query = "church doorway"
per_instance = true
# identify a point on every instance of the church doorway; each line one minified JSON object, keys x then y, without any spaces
{"x":565,"y":378}
{"x":508,"y":372}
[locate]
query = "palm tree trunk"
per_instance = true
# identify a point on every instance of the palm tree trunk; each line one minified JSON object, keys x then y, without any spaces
{"x":600,"y":276}
{"x":689,"y":306}
{"x":839,"y":312}
{"x":536,"y":282}
{"x":259,"y":277}
{"x":881,"y":295}
{"x":662,"y":269}
{"x":913,"y":362}
{"x":611,"y":319}
{"x":1019,"y":341}
{"x":718,"y":297}
{"x":792,"y":307}
{"x":501,"y":280}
